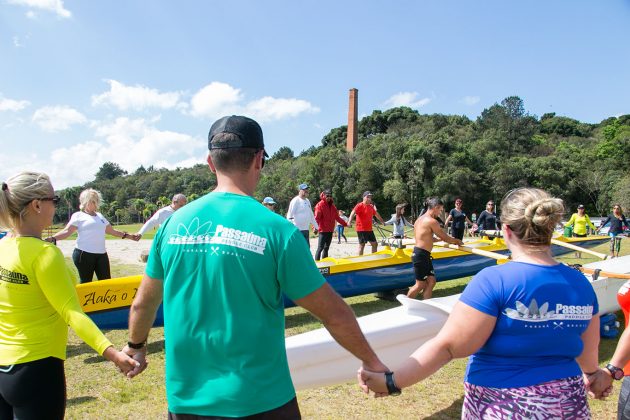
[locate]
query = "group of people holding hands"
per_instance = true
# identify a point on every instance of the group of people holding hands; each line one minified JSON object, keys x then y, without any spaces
{"x":529,"y":327}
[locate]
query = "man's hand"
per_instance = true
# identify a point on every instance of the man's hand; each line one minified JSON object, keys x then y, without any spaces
{"x":140,"y":356}
{"x":123,"y":362}
{"x":372,"y":381}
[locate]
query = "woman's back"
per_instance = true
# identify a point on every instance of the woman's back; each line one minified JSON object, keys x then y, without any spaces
{"x":541,"y":313}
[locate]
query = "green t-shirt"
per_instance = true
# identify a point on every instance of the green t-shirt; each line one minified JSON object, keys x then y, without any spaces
{"x":226,"y":260}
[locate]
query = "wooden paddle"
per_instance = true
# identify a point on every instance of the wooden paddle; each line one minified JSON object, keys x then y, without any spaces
{"x":599,"y":273}
{"x":497,"y":234}
{"x":494,"y":255}
{"x":578,"y":248}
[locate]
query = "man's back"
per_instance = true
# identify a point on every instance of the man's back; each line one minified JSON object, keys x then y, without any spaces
{"x":225,"y":261}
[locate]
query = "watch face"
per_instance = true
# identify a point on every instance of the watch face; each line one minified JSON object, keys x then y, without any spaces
{"x":618,"y":374}
{"x":615,"y":372}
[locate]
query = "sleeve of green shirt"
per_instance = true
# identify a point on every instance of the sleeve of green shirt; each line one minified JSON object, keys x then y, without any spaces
{"x":588,"y":222}
{"x":297,"y":273}
{"x":571,"y":221}
{"x":54,"y":281}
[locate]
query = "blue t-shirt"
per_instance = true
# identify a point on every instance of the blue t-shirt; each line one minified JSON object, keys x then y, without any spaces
{"x":226,"y":261}
{"x":541,"y":313}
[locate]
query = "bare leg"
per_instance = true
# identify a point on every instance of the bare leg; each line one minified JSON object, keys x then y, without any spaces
{"x":428,"y":291}
{"x":361,"y":246}
{"x":416,"y":288}
{"x":374,"y":246}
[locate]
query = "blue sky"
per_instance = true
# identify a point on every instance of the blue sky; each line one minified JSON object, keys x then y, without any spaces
{"x":140,"y":82}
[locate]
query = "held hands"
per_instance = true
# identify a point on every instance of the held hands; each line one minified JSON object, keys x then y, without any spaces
{"x":139,"y":356}
{"x":372,"y":381}
{"x":371,"y":377}
{"x":123,"y":362}
{"x":598,"y":384}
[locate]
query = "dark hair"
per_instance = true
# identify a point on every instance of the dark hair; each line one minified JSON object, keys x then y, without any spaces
{"x":430,"y":203}
{"x":231,"y":160}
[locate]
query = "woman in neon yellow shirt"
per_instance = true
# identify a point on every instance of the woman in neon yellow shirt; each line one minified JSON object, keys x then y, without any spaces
{"x":579,"y":221}
{"x":37,"y":303}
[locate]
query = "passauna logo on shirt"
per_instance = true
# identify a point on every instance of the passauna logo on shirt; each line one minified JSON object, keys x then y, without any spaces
{"x":12,"y":276}
{"x":534,"y":313}
{"x":195,"y":233}
{"x":239,"y":238}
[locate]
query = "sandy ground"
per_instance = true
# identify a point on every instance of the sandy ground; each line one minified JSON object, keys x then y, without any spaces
{"x":128,"y":252}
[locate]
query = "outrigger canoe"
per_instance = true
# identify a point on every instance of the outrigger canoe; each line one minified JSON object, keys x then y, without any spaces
{"x":107,"y":301}
{"x":315,"y":358}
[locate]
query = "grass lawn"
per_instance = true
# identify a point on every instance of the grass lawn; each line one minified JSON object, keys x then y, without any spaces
{"x":97,"y":391}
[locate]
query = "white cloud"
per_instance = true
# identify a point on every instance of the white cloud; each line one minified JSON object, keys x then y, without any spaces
{"x":57,"y":118}
{"x":218,"y":99}
{"x":270,"y":109}
{"x":469,"y":100}
{"x":128,"y":142}
{"x":55,"y":6}
{"x":12,"y":104}
{"x":136,"y":97}
{"x":215,"y":100}
{"x":409,"y":99}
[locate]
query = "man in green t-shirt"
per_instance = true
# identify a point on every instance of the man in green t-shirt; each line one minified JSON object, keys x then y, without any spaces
{"x":221,"y":265}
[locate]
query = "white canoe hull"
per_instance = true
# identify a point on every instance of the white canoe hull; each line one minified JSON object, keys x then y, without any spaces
{"x":315,"y":358}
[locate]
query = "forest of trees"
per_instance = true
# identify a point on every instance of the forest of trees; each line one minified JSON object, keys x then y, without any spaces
{"x":405,"y":156}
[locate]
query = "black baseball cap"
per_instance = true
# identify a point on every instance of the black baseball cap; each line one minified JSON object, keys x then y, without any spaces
{"x":247,"y":130}
{"x":581,"y":206}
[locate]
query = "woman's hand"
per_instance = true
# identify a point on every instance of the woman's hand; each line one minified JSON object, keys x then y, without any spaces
{"x":598,"y":384}
{"x":123,"y":362}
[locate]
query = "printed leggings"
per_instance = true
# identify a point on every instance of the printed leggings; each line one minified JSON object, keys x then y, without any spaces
{"x":33,"y":390}
{"x":557,"y":399}
{"x":88,"y":263}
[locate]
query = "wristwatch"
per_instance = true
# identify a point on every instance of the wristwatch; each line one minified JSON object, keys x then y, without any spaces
{"x":615,"y":372}
{"x":392,"y":389}
{"x":136,"y":346}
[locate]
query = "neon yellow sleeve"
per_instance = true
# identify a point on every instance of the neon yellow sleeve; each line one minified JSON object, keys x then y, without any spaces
{"x":588,"y":222}
{"x":54,"y":281}
{"x":571,"y":221}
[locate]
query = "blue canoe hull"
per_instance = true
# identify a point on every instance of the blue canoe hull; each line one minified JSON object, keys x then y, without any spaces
{"x":361,"y":282}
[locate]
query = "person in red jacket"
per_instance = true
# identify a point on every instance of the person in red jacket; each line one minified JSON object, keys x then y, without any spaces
{"x":326,"y":214}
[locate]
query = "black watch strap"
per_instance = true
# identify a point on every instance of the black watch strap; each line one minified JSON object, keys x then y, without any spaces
{"x":615,"y":372}
{"x":392,"y":389}
{"x":136,"y":346}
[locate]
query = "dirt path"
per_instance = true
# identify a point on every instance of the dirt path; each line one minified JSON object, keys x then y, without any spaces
{"x":128,"y":252}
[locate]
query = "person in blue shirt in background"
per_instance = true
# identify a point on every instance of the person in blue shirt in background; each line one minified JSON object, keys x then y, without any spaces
{"x":530,"y":327}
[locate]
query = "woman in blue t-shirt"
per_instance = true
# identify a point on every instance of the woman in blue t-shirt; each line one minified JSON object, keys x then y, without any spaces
{"x":530,"y":327}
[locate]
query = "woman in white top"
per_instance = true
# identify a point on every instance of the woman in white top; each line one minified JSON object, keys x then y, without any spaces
{"x":90,"y":255}
{"x":399,"y":222}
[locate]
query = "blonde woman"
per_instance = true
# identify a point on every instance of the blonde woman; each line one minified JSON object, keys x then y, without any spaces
{"x":530,"y":326}
{"x":90,"y":255}
{"x":37,"y":303}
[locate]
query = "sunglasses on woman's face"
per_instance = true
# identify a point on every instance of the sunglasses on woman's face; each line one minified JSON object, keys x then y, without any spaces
{"x":55,"y":199}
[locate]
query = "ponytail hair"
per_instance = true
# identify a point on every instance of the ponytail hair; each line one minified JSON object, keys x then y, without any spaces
{"x":17,"y":192}
{"x":532,"y":214}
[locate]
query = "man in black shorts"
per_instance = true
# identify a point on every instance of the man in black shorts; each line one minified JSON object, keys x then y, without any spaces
{"x":365,"y":211}
{"x":425,"y":227}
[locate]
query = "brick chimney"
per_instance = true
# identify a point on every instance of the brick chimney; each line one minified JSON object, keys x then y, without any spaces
{"x":351,"y":141}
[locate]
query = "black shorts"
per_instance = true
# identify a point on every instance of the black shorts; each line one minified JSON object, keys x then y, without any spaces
{"x":578,"y":235}
{"x":288,"y":411}
{"x":422,"y":263}
{"x":366,"y":236}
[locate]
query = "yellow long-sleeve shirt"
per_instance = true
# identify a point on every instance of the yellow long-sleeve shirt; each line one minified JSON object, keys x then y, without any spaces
{"x":38,"y":301}
{"x":579,"y":223}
